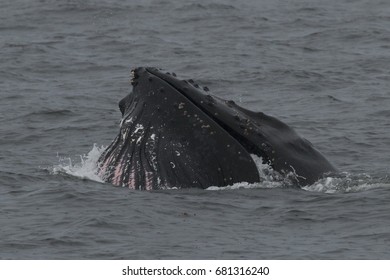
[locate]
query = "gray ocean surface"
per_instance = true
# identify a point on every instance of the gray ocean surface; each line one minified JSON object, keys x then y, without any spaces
{"x":323,"y":67}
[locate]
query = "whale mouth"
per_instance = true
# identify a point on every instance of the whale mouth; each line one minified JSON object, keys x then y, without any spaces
{"x":175,"y":134}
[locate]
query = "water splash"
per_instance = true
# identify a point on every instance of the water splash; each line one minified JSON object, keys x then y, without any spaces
{"x":86,"y":168}
{"x":347,"y":182}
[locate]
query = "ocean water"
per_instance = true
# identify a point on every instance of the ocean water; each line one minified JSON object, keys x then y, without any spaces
{"x":320,"y":66}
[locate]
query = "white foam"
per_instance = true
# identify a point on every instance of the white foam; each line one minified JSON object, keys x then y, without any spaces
{"x":85,"y":169}
{"x":246,"y":185}
{"x":347,"y":183}
{"x":270,"y":178}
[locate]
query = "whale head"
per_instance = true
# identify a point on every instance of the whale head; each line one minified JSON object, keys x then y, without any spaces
{"x":175,"y":134}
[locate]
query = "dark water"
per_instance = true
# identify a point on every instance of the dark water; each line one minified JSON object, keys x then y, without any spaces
{"x":320,"y":66}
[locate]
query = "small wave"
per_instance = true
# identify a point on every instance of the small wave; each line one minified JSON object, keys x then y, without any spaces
{"x":206,"y":7}
{"x":50,"y":113}
{"x":348,"y":183}
{"x":85,"y":169}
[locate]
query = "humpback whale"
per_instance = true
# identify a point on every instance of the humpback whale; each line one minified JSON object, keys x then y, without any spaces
{"x":174,"y":133}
